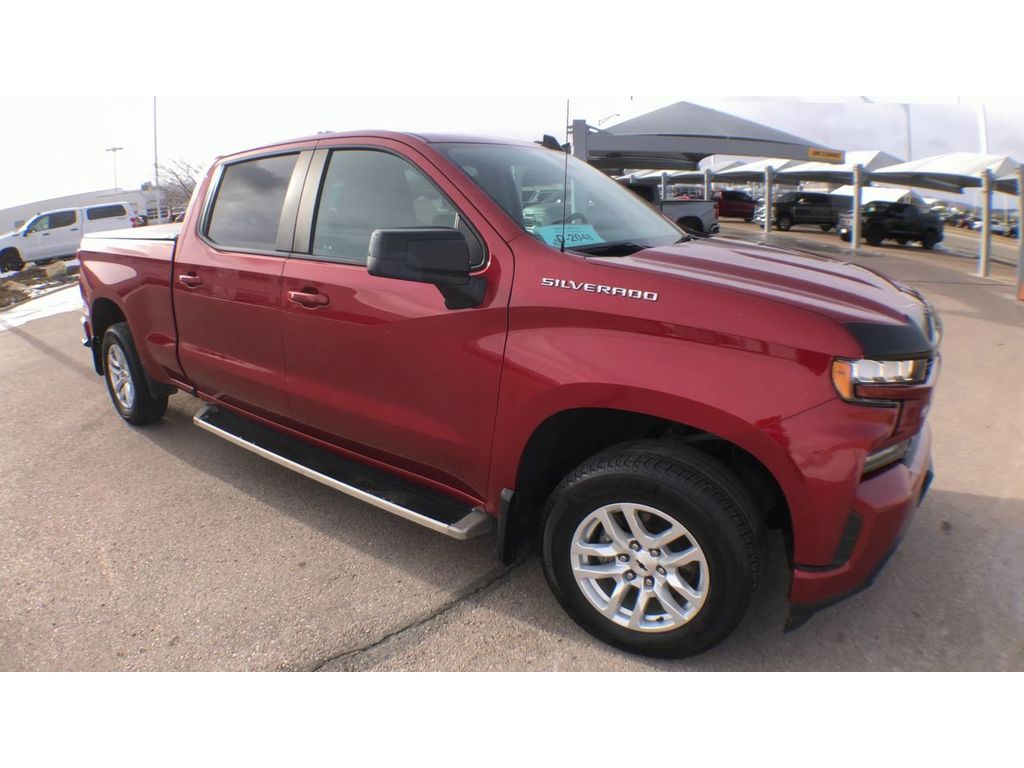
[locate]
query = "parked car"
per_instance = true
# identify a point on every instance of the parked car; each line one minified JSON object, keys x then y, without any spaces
{"x":697,"y":215}
{"x":902,"y":222}
{"x":735,"y":204}
{"x":56,"y":234}
{"x":348,"y":305}
{"x":815,"y":208}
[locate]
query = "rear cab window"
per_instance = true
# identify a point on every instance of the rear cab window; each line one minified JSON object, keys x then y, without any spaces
{"x":246,"y":207}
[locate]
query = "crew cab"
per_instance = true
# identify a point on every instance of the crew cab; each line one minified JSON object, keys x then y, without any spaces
{"x":56,"y":234}
{"x":635,"y":404}
{"x":735,"y":204}
{"x":818,"y":209}
{"x":902,"y":222}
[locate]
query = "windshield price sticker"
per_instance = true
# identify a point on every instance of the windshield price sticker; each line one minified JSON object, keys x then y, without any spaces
{"x":575,"y":234}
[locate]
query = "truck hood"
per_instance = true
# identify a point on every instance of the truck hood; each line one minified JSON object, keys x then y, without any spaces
{"x":845,"y":292}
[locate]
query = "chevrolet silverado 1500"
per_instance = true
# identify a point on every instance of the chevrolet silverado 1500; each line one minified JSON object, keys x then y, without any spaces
{"x":375,"y":311}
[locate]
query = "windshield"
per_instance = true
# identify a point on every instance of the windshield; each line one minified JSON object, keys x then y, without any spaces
{"x":528,"y":184}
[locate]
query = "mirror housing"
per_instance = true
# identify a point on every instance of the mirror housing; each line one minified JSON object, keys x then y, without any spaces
{"x":437,"y":255}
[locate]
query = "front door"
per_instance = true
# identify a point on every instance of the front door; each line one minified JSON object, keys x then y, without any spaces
{"x":227,"y":284}
{"x":380,"y":366}
{"x":53,"y":235}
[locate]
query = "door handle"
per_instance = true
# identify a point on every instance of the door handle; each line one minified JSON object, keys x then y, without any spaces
{"x":190,"y":280}
{"x":309,"y":298}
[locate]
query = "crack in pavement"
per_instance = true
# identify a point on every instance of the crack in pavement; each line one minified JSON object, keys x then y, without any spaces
{"x":476,"y":588}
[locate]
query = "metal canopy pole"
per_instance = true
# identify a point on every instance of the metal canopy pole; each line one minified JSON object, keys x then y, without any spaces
{"x":664,"y":186}
{"x":769,"y":180}
{"x":707,"y":183}
{"x":1020,"y":232}
{"x":986,"y":228}
{"x":858,"y":181}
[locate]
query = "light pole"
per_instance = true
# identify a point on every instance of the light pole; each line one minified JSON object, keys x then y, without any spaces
{"x":114,"y":151}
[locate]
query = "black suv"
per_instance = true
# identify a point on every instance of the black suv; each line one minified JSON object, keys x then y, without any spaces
{"x":817,"y":208}
{"x":902,"y":222}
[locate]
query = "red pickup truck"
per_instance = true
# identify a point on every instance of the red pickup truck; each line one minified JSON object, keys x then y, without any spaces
{"x":374,"y":311}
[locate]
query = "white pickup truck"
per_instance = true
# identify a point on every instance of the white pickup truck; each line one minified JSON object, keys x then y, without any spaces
{"x":57,"y":234}
{"x":700,"y":216}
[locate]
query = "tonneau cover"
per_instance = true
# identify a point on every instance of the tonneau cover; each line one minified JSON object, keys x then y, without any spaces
{"x":155,"y":232}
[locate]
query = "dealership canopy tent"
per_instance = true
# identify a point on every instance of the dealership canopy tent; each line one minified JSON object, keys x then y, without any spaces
{"x":648,"y":178}
{"x":881,"y":194}
{"x":961,"y":169}
{"x":838,"y":173}
{"x":679,"y":136}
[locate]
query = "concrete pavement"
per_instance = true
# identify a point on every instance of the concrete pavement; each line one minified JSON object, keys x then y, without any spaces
{"x":166,"y":548}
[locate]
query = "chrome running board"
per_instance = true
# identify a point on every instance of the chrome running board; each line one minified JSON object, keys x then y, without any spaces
{"x":375,"y":487}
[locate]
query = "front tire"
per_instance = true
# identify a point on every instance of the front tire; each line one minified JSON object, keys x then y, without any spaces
{"x":10,"y":261}
{"x":126,"y":380}
{"x":784,"y":223}
{"x":929,"y":240}
{"x":653,"y":548}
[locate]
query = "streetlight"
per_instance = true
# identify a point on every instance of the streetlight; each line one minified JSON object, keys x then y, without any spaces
{"x":115,"y":150}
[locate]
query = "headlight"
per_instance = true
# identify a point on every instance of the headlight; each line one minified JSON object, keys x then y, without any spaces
{"x":847,"y":375}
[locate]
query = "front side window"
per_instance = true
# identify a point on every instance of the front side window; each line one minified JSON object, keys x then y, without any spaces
{"x":529,"y":184}
{"x":247,"y":207}
{"x":365,"y":190}
{"x":54,"y":220}
{"x":105,"y":212}
{"x":39,"y":224}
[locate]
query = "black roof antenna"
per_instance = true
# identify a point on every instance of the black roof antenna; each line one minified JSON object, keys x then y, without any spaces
{"x":565,"y":176}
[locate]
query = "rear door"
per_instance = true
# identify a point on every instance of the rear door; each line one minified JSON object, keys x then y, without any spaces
{"x":227,"y":281}
{"x":380,"y":366}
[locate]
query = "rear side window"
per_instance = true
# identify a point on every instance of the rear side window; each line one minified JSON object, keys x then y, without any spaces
{"x":105,"y":212}
{"x":247,"y":207}
{"x":365,"y":190}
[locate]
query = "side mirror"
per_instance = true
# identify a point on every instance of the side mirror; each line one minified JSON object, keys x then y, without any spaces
{"x":437,"y":255}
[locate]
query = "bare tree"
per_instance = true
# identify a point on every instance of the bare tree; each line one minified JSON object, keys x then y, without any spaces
{"x":178,"y":179}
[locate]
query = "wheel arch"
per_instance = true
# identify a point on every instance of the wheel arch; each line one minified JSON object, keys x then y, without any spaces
{"x":691,"y":222}
{"x":102,"y":314}
{"x":567,"y":438}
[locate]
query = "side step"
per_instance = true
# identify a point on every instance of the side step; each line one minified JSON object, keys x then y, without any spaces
{"x":392,"y":494}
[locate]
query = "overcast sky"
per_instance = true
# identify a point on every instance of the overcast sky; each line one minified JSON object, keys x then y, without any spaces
{"x":43,"y":157}
{"x":231,"y":76}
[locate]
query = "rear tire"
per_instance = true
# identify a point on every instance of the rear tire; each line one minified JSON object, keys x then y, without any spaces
{"x":126,"y":379}
{"x":826,"y":227}
{"x":784,"y":223}
{"x":875,"y":235}
{"x":679,"y":536}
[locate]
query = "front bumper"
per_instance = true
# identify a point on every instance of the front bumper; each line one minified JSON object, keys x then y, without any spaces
{"x":885,"y":504}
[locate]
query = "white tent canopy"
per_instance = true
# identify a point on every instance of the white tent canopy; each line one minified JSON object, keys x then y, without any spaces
{"x":881,"y":194}
{"x":680,"y":135}
{"x":961,"y":169}
{"x":654,"y":176}
{"x":868,"y":159}
{"x":755,"y":170}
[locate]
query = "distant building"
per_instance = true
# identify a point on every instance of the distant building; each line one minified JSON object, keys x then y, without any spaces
{"x":142,"y":200}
